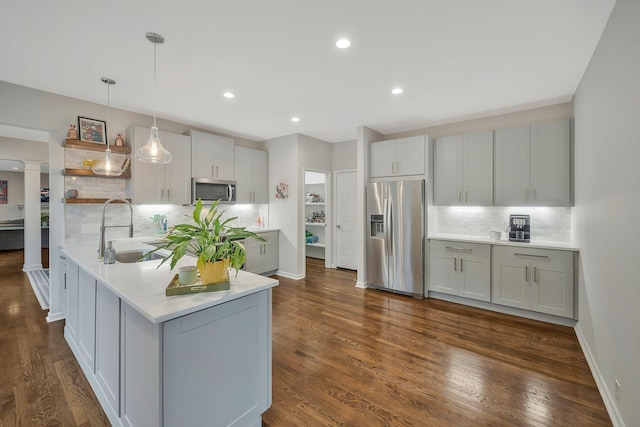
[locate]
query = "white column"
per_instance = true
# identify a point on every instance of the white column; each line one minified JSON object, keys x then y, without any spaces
{"x":32,"y":230}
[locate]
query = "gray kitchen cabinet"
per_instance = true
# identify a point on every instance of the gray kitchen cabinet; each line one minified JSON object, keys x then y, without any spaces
{"x":251,"y":175}
{"x":398,"y":157}
{"x":212,"y":156}
{"x":71,"y":318}
{"x":533,"y":165}
{"x":463,"y":170}
{"x":87,"y":318}
{"x":462,"y":269}
{"x":262,"y":257}
{"x":108,"y":345}
{"x":539,"y":280}
{"x":162,"y":184}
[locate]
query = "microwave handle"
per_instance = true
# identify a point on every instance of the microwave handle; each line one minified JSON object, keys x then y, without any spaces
{"x":229,"y":192}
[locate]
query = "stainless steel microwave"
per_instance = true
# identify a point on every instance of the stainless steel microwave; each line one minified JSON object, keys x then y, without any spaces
{"x":209,"y":190}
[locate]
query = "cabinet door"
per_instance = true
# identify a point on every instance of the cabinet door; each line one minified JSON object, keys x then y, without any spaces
{"x":551,"y":164}
{"x":243,"y":174}
{"x":178,"y":171}
{"x":202,"y":154}
{"x":87,"y":318}
{"x":383,"y":155}
{"x":253,"y":262}
{"x":444,"y":273}
{"x":510,"y":283}
{"x":148,"y":178}
{"x":270,"y":252}
{"x":552,"y":288}
{"x":410,"y":155}
{"x":477,"y":169}
{"x":260,"y":176}
{"x":512,"y":167}
{"x":223,"y":158}
{"x":71,"y":321}
{"x":447,"y":165}
{"x":108,"y":345}
{"x":475,"y":278}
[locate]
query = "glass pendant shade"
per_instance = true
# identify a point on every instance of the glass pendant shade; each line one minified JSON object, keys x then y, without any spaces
{"x":153,"y":151}
{"x":107,"y":167}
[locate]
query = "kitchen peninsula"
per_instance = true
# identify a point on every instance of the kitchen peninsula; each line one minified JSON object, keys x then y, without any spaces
{"x":152,"y":360}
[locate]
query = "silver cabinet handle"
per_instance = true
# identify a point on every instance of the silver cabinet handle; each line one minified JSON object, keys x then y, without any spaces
{"x":526,"y":273}
{"x":216,"y":171}
{"x":537,"y":256}
{"x":168,"y":194}
{"x":397,"y":168}
{"x":460,"y":197}
{"x":535,"y":274}
{"x":461,"y":270}
{"x":535,"y":195}
{"x":338,"y":226}
{"x":466,"y":196}
{"x":455,"y":267}
{"x":213,"y":172}
{"x":264,"y":249}
{"x":457,"y":248}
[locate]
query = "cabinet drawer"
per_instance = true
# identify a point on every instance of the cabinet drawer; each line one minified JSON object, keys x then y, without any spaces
{"x":533,"y":254}
{"x":461,"y":248}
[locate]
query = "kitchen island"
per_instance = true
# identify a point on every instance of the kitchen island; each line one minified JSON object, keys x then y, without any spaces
{"x":153,"y":360}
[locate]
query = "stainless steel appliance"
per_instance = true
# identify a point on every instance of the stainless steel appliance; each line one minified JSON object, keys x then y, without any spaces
{"x":396,"y":236}
{"x":519,"y":228}
{"x":209,"y":190}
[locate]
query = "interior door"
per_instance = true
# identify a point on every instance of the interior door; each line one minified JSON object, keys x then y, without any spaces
{"x":346,"y":228}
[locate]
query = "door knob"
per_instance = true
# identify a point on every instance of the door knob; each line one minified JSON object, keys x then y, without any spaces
{"x":338,"y":226}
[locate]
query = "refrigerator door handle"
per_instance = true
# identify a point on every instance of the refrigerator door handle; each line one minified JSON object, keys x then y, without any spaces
{"x":385,"y":223}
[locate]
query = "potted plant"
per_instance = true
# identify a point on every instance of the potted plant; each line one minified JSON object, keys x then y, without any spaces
{"x":217,"y":244}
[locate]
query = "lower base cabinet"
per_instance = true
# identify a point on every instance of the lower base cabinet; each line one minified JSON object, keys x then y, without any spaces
{"x":539,"y":280}
{"x":462,"y":269}
{"x":262,"y":257}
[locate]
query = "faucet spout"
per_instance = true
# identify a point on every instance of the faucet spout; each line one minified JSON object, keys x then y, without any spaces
{"x":101,"y":244}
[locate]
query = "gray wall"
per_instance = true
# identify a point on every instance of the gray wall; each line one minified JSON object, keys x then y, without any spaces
{"x":343,"y":155}
{"x":607,"y":175}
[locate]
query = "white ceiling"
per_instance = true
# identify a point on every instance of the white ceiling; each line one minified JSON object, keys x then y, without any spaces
{"x":454,"y":58}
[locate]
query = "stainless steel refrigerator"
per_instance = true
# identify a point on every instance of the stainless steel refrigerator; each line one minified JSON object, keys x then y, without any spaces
{"x":396,"y":236}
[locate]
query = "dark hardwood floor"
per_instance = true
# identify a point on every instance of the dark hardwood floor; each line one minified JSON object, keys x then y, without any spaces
{"x":341,"y":356}
{"x":353,"y":357}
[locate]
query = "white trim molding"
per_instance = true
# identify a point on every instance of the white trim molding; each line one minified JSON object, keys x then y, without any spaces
{"x":16,"y":132}
{"x":605,"y":392}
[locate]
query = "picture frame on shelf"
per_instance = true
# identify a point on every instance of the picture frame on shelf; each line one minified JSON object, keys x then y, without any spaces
{"x":92,"y":130}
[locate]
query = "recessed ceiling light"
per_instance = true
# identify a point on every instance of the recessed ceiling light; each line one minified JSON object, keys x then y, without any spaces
{"x":15,"y":168}
{"x":228,"y":95}
{"x":343,"y":43}
{"x":397,"y":91}
{"x":295,"y":119}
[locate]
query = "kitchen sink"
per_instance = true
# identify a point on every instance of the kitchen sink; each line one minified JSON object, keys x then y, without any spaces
{"x":137,"y":256}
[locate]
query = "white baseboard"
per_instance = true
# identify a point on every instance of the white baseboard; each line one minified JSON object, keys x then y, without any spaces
{"x":289,"y":275}
{"x":54,"y":317}
{"x":31,"y":267}
{"x":361,"y":285}
{"x":605,"y":392}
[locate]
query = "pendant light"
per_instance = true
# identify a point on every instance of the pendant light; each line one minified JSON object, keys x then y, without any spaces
{"x":106,"y":166}
{"x":153,"y":151}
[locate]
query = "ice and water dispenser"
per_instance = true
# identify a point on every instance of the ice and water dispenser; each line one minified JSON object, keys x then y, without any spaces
{"x":377,"y":226}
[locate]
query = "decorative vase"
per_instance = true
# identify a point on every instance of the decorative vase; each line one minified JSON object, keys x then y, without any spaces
{"x":214,"y":272}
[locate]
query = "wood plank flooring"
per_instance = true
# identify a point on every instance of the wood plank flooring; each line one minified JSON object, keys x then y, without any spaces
{"x":353,"y":357}
{"x":341,"y":356}
{"x":41,"y":383}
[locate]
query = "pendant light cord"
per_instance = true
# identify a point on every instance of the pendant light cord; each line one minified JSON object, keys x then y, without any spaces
{"x":155,"y":101}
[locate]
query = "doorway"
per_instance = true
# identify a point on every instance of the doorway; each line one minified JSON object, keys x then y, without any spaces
{"x":317,"y":218}
{"x":347,"y":236}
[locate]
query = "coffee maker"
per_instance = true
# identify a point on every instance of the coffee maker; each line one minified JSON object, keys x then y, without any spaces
{"x":519,"y":228}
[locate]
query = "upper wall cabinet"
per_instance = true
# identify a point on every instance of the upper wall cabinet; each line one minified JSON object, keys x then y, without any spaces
{"x":463,"y":170}
{"x":251,"y":175}
{"x":170,"y":183}
{"x":533,"y":165}
{"x":398,"y":157}
{"x":211,"y":156}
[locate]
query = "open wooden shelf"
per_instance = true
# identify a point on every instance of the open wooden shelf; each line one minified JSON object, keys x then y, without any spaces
{"x":93,"y":146}
{"x":316,"y":224}
{"x":88,"y":201}
{"x":89,"y":172}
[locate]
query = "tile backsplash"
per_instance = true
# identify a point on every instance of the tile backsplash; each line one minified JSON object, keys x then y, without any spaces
{"x":82,"y":222}
{"x":546,"y":223}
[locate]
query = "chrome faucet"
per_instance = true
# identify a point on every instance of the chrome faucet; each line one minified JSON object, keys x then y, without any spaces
{"x":104,"y":227}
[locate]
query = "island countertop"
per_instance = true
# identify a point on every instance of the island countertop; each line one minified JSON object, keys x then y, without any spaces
{"x":142,"y":285}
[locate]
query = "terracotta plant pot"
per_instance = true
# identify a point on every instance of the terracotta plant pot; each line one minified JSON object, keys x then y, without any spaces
{"x":214,"y":272}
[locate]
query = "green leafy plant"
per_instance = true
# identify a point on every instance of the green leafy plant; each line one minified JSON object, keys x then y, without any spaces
{"x":210,"y":239}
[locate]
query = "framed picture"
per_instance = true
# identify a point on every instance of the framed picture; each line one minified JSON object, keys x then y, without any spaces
{"x":92,"y":130}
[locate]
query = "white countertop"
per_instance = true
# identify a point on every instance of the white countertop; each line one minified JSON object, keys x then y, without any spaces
{"x":142,"y":285}
{"x":538,"y":244}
